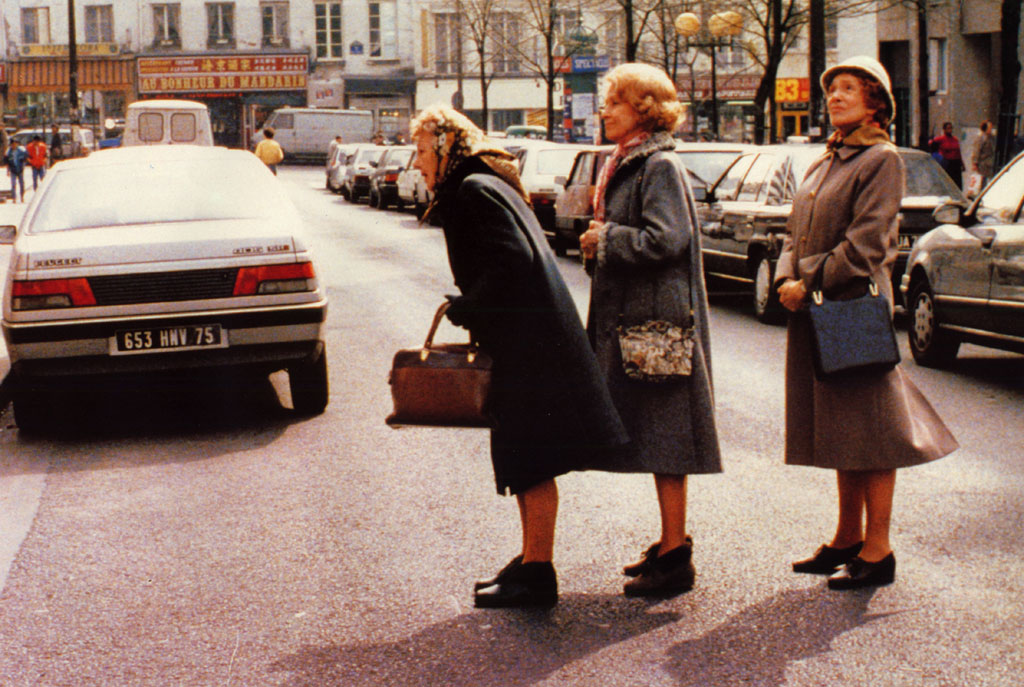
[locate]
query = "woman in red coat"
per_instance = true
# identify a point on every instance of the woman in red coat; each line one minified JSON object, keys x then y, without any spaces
{"x":844,"y":226}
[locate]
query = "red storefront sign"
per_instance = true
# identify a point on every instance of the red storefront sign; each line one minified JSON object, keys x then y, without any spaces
{"x":213,"y":74}
{"x":730,"y":86}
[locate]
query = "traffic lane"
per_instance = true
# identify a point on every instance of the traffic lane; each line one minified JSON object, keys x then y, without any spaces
{"x":343,"y":546}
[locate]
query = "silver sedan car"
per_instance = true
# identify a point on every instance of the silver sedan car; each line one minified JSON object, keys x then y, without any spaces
{"x":161,"y":259}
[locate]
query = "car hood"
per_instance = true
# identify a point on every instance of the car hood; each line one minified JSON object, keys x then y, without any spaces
{"x":923,"y":202}
{"x":156,"y":244}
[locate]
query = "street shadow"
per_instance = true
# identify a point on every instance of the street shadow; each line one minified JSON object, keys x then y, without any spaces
{"x":513,"y":648}
{"x":997,"y":369}
{"x":756,"y":645}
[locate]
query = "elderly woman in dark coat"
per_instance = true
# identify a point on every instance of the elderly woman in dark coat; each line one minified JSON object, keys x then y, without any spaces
{"x":552,"y":409}
{"x":645,"y":251}
{"x":844,"y":226}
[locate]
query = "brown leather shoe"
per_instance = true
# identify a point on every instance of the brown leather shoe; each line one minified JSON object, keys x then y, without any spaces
{"x":480,"y":584}
{"x":526,"y":585}
{"x":667,"y":575}
{"x":636,"y":569}
{"x":860,"y":573}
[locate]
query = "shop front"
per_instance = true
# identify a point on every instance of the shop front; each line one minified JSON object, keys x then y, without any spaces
{"x":728,"y":97}
{"x":239,"y":89}
{"x":792,"y":96}
{"x":38,"y":85}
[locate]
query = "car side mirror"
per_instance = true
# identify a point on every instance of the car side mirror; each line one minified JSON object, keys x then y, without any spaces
{"x":560,"y":181}
{"x":7,"y":233}
{"x":947,"y":213}
{"x":700,"y":195}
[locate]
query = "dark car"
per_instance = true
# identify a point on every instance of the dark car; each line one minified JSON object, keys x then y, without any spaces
{"x":964,"y":280}
{"x":743,"y":218}
{"x":574,"y":207}
{"x":361,"y":164}
{"x":384,"y":177}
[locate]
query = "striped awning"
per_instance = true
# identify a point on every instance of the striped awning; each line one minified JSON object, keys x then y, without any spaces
{"x":33,"y":76}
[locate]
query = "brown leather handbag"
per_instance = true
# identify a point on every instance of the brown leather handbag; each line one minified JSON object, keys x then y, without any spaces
{"x":440,"y":385}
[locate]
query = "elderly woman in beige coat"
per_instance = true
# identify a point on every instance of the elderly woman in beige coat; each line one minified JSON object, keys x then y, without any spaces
{"x":844,"y":225}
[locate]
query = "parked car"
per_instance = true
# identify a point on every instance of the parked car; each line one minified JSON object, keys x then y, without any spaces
{"x":743,"y":217}
{"x":86,"y":140}
{"x":337,"y":165}
{"x":364,"y":160}
{"x":574,"y":209}
{"x":155,"y":260}
{"x":384,"y":178}
{"x":964,"y":280}
{"x":540,"y":163}
{"x":412,"y":189}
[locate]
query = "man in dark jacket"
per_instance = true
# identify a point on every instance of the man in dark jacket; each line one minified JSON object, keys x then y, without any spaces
{"x":15,"y":160}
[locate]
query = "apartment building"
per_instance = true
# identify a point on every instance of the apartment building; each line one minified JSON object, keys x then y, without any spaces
{"x":241,"y":58}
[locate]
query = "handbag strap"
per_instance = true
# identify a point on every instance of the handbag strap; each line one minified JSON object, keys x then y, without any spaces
{"x":817,"y":292}
{"x":438,"y":316}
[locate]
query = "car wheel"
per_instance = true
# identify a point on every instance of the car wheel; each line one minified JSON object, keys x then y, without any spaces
{"x":344,"y":193}
{"x":33,"y":410}
{"x":930,"y":345}
{"x":307,"y":381}
{"x":766,"y":299}
{"x":373,"y":199}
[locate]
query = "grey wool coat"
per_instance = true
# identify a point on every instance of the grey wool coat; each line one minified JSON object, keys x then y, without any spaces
{"x":552,"y":409}
{"x":649,"y":267}
{"x":846,"y":211}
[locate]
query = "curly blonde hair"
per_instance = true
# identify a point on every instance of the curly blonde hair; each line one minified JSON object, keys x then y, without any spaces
{"x":649,"y":91}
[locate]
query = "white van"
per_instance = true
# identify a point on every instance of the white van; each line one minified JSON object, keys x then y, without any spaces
{"x":307,"y":132}
{"x":155,"y":122}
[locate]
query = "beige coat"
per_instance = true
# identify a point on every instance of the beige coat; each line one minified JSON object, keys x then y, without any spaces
{"x":846,"y":210}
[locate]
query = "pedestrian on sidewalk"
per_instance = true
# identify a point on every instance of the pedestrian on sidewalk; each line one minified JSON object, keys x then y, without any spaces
{"x":552,"y":410}
{"x":269,"y":151}
{"x":644,"y":247}
{"x":37,"y":155}
{"x":844,"y":226}
{"x":55,"y":145}
{"x":949,"y":148}
{"x":15,"y":159}
{"x":983,"y":155}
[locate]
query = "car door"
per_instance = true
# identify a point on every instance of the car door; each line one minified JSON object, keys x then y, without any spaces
{"x":715,"y":235}
{"x":1003,"y":202}
{"x":740,"y":217}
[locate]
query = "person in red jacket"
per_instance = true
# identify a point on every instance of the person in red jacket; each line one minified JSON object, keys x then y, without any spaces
{"x":37,"y":151}
{"x":949,"y":148}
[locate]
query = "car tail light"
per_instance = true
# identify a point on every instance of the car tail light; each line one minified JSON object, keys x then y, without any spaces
{"x":288,"y":278}
{"x":541,"y":199}
{"x":51,"y":293}
{"x":391,"y":178}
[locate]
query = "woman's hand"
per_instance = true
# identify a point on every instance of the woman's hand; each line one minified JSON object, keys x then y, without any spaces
{"x":792,"y":294}
{"x":589,"y":240}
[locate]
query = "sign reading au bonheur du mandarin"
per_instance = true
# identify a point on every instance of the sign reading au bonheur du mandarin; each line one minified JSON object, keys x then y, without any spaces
{"x":223,"y":73}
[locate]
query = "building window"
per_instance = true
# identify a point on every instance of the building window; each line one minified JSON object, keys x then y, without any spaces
{"x":99,"y":23}
{"x":507,"y":32}
{"x":937,"y":65}
{"x":383,"y":30}
{"x":166,"y":19}
{"x":446,"y":43}
{"x":35,"y":25}
{"x":565,"y":21}
{"x":327,"y":18}
{"x":220,"y":24}
{"x":275,"y":24}
{"x":831,"y":32}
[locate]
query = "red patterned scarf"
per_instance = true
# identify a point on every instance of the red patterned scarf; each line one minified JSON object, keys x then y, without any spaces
{"x":609,"y":168}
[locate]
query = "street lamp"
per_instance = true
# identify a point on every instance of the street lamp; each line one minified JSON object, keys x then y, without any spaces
{"x":721,"y":28}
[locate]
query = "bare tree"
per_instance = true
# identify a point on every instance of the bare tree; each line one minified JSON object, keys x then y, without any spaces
{"x":478,"y":19}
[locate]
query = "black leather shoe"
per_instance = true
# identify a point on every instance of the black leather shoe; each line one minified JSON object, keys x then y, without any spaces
{"x":480,"y":584}
{"x":827,"y":560}
{"x":527,"y":585}
{"x":637,"y":569}
{"x":859,"y":573}
{"x":666,"y":575}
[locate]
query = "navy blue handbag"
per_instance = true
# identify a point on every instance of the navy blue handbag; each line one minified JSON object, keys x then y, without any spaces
{"x":851,"y":337}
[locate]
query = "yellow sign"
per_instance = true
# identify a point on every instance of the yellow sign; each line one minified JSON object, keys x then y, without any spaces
{"x":61,"y":50}
{"x":792,"y":90}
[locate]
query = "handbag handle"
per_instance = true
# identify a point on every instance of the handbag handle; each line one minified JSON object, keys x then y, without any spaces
{"x":429,"y":343}
{"x":817,"y":292}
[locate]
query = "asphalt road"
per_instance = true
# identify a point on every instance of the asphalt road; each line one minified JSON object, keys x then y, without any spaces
{"x":205,"y":536}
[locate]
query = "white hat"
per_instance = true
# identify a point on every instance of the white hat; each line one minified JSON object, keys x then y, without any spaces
{"x":868,"y":66}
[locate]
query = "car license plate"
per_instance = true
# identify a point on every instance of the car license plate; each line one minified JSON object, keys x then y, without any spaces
{"x":182,"y":338}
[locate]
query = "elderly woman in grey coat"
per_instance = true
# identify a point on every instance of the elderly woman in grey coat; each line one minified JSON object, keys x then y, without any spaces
{"x":843,"y":229}
{"x":645,"y":251}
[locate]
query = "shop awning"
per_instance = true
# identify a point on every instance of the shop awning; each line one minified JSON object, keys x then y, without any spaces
{"x":52,"y":75}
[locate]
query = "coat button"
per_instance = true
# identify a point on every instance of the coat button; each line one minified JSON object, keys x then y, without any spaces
{"x":814,"y":192}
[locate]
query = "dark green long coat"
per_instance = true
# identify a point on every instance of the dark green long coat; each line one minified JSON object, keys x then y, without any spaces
{"x":553,"y":410}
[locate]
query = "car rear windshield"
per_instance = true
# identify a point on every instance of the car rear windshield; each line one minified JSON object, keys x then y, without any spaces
{"x":555,"y":162}
{"x":400,"y":157}
{"x":371,"y":155}
{"x":168,"y":191}
{"x":705,"y":165}
{"x":926,"y":178}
